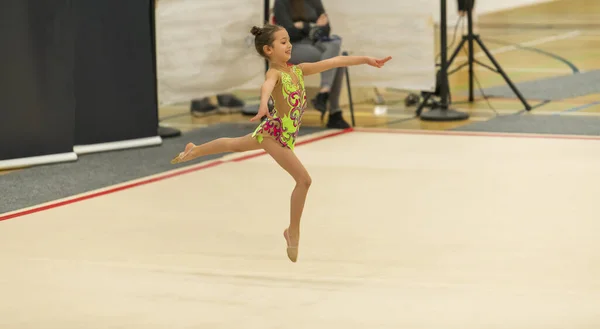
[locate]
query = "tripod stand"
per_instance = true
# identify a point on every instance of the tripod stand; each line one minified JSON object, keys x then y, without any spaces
{"x":470,"y":37}
{"x":440,"y":110}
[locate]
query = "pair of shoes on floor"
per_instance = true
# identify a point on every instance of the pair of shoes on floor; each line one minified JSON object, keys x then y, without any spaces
{"x":335,"y":120}
{"x":227,"y":104}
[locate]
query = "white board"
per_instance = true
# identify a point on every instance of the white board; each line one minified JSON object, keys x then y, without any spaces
{"x":204,"y":48}
{"x":379,"y":28}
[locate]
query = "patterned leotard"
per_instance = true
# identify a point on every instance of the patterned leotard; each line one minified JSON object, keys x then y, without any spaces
{"x":290,"y":102}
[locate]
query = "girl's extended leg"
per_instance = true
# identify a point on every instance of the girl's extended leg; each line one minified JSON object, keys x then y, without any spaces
{"x":220,"y":145}
{"x":290,"y":163}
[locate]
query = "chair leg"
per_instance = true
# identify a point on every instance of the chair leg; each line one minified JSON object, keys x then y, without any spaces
{"x":345,"y":53}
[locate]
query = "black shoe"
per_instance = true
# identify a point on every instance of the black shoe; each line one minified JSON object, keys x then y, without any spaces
{"x":228,"y":103}
{"x":201,"y":107}
{"x":320,"y":103}
{"x":229,"y":100}
{"x":336,"y":121}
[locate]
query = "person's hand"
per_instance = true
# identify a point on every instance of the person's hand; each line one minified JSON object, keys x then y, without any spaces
{"x":377,"y":62}
{"x":322,"y":20}
{"x":299,"y":25}
{"x":262,"y":111}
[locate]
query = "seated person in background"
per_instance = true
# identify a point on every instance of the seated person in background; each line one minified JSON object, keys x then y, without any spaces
{"x":308,"y":27}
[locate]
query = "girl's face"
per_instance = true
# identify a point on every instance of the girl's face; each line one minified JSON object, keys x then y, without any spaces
{"x":281,"y":51}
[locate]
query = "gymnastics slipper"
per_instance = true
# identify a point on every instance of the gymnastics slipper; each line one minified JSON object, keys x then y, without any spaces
{"x":180,"y":156}
{"x":292,"y":252}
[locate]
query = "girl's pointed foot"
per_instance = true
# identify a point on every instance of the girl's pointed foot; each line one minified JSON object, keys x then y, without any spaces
{"x":182,"y":157}
{"x":292,"y":249}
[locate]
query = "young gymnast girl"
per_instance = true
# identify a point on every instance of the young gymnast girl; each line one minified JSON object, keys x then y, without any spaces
{"x":278,"y":129}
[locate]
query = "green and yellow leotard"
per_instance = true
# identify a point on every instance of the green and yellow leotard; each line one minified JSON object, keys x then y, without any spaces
{"x":289,"y":98}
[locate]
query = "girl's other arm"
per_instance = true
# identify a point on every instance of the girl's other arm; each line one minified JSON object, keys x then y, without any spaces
{"x":265,"y":92}
{"x":341,"y":61}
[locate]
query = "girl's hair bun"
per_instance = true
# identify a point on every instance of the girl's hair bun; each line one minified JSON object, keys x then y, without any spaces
{"x":256,"y":30}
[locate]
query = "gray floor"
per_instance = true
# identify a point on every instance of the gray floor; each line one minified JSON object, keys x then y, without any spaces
{"x":93,"y":171}
{"x":538,"y":124}
{"x":554,"y":88}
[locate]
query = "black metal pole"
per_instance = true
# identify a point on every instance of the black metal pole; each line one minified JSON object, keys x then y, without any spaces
{"x":444,"y":53}
{"x":266,"y":14}
{"x":442,"y":111}
{"x":471,"y":55}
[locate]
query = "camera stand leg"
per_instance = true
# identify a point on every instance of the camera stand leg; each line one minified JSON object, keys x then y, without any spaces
{"x":502,"y":73}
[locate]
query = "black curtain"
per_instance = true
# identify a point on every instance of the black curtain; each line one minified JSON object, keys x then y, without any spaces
{"x":115,"y":79}
{"x":37,"y":104}
{"x":75,"y":72}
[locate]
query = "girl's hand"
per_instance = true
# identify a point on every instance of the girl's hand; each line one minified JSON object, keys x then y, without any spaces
{"x":322,"y":20}
{"x":262,"y":111}
{"x":299,"y":25}
{"x":378,"y":62}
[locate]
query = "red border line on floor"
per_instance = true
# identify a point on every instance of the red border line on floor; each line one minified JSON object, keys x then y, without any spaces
{"x":152,"y":180}
{"x":467,"y":133}
{"x":109,"y":191}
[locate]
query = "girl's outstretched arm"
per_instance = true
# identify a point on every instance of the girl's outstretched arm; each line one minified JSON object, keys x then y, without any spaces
{"x":340,"y":61}
{"x":265,"y":92}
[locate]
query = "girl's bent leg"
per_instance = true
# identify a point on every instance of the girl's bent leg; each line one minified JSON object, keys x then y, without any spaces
{"x":220,"y":145}
{"x":290,"y":163}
